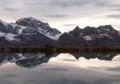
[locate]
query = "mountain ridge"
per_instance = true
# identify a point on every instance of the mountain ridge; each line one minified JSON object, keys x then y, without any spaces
{"x":102,"y":35}
{"x":31,"y":31}
{"x":28,"y":31}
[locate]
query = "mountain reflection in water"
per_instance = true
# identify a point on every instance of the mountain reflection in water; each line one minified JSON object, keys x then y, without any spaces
{"x":60,"y":68}
{"x":31,"y":60}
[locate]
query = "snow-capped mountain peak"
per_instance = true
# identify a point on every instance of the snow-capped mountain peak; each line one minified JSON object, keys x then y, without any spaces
{"x":28,"y":29}
{"x":31,"y":25}
{"x":34,"y":32}
{"x":28,"y":21}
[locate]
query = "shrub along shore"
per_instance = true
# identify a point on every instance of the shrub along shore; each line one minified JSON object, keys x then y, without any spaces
{"x":55,"y":49}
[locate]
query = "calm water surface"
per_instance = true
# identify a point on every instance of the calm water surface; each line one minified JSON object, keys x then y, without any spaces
{"x":63,"y":68}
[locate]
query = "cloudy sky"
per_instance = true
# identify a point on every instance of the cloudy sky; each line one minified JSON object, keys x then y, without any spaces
{"x":64,"y":14}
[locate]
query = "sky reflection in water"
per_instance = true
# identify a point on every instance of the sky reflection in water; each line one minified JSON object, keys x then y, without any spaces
{"x":61,"y":68}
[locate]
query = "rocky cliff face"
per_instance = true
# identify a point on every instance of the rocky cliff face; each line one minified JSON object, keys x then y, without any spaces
{"x":103,"y":35}
{"x":27,"y":31}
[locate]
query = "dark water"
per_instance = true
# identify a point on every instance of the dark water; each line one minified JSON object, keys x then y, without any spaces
{"x":60,"y":68}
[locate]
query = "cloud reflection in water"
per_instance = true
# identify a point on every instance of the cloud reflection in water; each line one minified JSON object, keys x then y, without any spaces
{"x":59,"y":68}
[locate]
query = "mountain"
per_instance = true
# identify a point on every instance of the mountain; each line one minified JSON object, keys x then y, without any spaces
{"x":31,"y":31}
{"x":102,"y":35}
{"x":69,"y":39}
{"x":27,"y":31}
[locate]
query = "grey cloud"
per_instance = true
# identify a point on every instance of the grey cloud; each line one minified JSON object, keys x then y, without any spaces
{"x":10,"y":9}
{"x":32,"y":4}
{"x":6,"y":2}
{"x":61,"y":3}
{"x":35,"y":2}
{"x":116,"y":16}
{"x":104,"y":3}
{"x":65,"y":3}
{"x":70,"y":3}
{"x":56,"y":16}
{"x":52,"y":10}
{"x":116,"y":9}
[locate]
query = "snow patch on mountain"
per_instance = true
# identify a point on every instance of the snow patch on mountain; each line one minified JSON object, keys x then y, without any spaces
{"x":56,"y":37}
{"x":10,"y":37}
{"x":31,"y":25}
{"x":2,"y":34}
{"x":21,"y":29}
{"x":88,"y":38}
{"x":105,"y":35}
{"x":3,"y":22}
{"x":50,"y":35}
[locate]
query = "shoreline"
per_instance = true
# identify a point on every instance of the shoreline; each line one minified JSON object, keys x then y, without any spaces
{"x":58,"y":49}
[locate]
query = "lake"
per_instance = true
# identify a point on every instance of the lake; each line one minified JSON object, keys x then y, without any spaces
{"x":60,"y":68}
